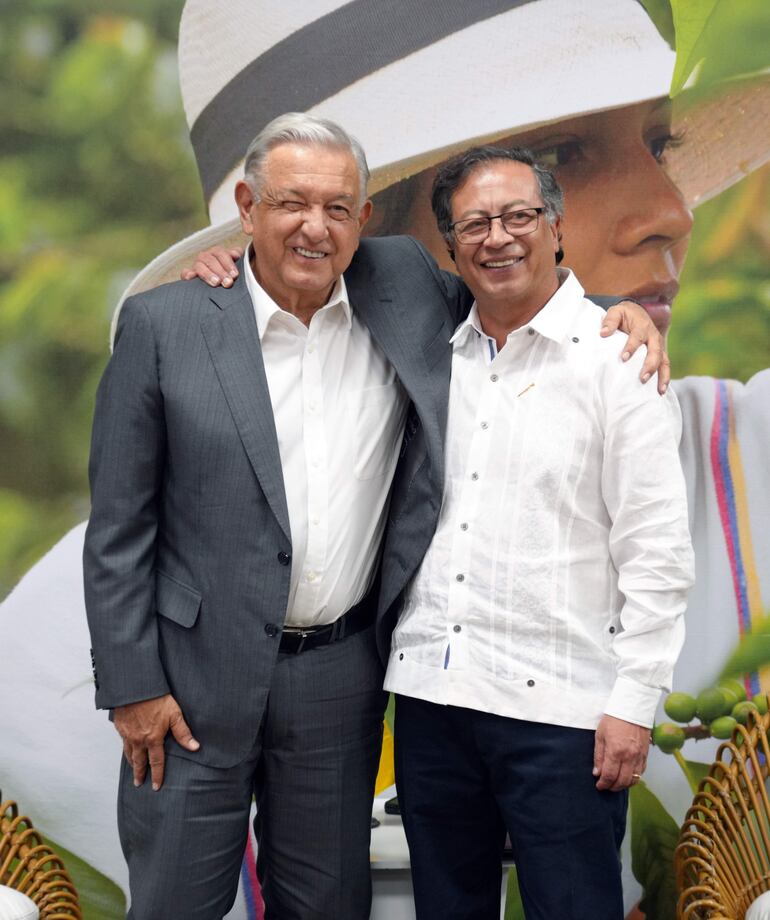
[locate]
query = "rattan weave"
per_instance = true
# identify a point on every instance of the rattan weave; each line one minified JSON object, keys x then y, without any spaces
{"x":723,"y":857}
{"x":31,"y":866}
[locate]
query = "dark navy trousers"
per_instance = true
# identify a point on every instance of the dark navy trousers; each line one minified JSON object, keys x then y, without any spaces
{"x":464,"y":777}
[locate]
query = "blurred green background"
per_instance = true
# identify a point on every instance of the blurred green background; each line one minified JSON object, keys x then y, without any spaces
{"x":97,"y":177}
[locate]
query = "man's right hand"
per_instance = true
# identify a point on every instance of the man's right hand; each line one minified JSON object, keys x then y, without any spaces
{"x":215,"y":266}
{"x":143,"y":727}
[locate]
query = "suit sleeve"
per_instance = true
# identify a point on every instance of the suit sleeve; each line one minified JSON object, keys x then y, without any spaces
{"x":125,"y":473}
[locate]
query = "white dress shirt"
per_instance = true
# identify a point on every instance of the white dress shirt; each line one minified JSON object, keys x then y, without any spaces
{"x":556,"y":581}
{"x":339,"y":414}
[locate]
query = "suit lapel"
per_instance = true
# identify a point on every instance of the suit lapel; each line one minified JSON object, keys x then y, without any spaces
{"x":233,"y":343}
{"x":420,"y":353}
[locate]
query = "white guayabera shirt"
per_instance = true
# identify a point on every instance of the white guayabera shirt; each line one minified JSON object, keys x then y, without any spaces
{"x":556,"y":582}
{"x":339,"y":414}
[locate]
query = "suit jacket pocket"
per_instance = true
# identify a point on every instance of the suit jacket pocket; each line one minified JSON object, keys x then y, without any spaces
{"x":176,"y":601}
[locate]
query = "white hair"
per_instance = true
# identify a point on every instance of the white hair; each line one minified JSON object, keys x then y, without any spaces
{"x":300,"y":128}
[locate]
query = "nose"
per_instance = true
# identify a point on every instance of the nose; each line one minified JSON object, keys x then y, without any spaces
{"x":498,"y":236}
{"x":654,"y":213}
{"x":315,"y":224}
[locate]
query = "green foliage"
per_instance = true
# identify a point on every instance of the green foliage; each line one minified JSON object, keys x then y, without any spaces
{"x":723,"y":38}
{"x":734,"y":39}
{"x":514,"y":909}
{"x":721,"y":324}
{"x":99,"y":897}
{"x":659,"y":12}
{"x":752,"y":651}
{"x":697,"y":771}
{"x":690,"y":29}
{"x":96,"y":178}
{"x":654,"y":837}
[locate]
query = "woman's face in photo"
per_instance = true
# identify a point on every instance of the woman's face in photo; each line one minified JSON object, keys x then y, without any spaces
{"x":626,"y":227}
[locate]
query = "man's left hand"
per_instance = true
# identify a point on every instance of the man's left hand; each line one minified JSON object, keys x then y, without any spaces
{"x":620,"y":753}
{"x":632,"y":319}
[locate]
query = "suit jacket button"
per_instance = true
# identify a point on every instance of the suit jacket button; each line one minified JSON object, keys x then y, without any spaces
{"x":284,"y":558}
{"x":271,"y":629}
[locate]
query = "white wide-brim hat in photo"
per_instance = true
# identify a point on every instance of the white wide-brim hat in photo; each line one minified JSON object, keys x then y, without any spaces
{"x":419,"y":80}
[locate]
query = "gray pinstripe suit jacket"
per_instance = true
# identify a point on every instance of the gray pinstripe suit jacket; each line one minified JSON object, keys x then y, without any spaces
{"x":185,"y":559}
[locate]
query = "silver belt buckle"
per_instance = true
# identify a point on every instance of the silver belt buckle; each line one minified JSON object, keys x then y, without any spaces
{"x":303,"y":634}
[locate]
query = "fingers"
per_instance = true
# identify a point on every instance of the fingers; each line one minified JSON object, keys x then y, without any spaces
{"x":664,"y":373}
{"x":143,"y":727}
{"x":620,"y":753}
{"x":139,"y":764}
{"x":181,"y":732}
{"x":216,"y":266}
{"x":655,"y":352}
{"x":608,"y":772}
{"x":598,"y":753}
{"x":157,"y":759}
{"x":611,"y":322}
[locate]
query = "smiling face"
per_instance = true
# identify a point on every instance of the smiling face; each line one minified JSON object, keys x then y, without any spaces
{"x":625,"y":227}
{"x":306,"y":223}
{"x":511,"y":276}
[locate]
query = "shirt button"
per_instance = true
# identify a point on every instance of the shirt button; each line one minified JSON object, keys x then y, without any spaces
{"x":474,"y":476}
{"x":530,"y":331}
{"x":530,"y":683}
{"x":494,"y":378}
{"x":311,"y":349}
{"x":271,"y":629}
{"x":401,"y":657}
{"x":457,"y":628}
{"x":575,"y":338}
{"x":612,"y":629}
{"x":484,"y":425}
{"x":284,"y":558}
{"x":463,"y":526}
{"x":311,"y":576}
{"x":460,"y":577}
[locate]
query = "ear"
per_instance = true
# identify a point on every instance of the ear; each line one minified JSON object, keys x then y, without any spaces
{"x":244,"y":198}
{"x":555,"y":229}
{"x":364,"y":214}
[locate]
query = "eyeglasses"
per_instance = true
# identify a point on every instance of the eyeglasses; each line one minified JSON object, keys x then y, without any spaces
{"x":515,"y":223}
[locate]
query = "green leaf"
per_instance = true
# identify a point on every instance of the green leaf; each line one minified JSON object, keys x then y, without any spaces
{"x":654,"y":836}
{"x":659,"y":12}
{"x":751,"y":653}
{"x":698,"y":770}
{"x":690,"y":23}
{"x":100,"y":898}
{"x":390,"y":712}
{"x":514,"y":909}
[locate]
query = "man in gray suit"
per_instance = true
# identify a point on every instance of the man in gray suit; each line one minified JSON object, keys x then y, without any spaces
{"x":244,"y":445}
{"x":243,"y":450}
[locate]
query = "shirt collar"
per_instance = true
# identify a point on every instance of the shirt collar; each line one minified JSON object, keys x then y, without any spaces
{"x":471,"y":323}
{"x":266,"y":308}
{"x":553,"y":320}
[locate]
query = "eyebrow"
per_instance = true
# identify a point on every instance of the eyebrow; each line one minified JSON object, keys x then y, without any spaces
{"x":512,"y":205}
{"x":296,"y":193}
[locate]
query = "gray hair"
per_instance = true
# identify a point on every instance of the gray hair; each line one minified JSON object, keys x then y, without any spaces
{"x":300,"y":128}
{"x":455,"y":171}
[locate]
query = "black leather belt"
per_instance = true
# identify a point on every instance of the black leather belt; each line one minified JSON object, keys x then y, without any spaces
{"x":296,"y":639}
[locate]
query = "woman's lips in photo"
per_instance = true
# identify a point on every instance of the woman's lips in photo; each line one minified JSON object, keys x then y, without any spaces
{"x":657,"y":300}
